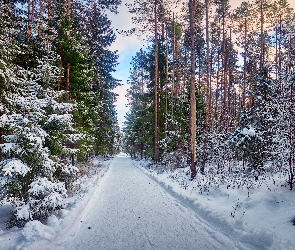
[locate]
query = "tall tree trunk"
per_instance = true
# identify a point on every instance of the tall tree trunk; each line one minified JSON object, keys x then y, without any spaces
{"x":276,"y":55}
{"x":225,"y":74}
{"x":31,"y":9}
{"x":173,"y":66}
{"x":216,"y":115}
{"x":68,"y":64}
{"x":156,"y":133}
{"x":208,"y":73}
{"x":280,"y":47}
{"x":69,"y":8}
{"x":231,"y":88}
{"x":166,"y":82}
{"x":245,"y":65}
{"x":49,"y":13}
{"x":208,"y":95}
{"x":291,"y":171}
{"x":41,"y":12}
{"x":68,"y":82}
{"x":29,"y":21}
{"x":192,"y":115}
{"x":262,"y":45}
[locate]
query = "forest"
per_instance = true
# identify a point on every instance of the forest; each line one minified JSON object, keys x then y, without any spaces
{"x":213,"y":89}
{"x":57,"y":105}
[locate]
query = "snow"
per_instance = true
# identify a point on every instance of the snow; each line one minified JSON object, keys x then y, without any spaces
{"x":15,"y":167}
{"x":69,"y":169}
{"x":23,"y":212}
{"x":7,"y":147}
{"x":124,"y":205}
{"x":43,"y":185}
{"x":34,"y":230}
{"x":60,"y":120}
{"x":263,"y":212}
{"x":248,"y":131}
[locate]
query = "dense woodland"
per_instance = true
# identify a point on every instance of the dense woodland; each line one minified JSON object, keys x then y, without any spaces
{"x":213,"y":88}
{"x":57,"y":105}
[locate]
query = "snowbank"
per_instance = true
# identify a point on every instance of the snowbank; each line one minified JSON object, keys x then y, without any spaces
{"x":261,"y":216}
{"x":36,"y":235}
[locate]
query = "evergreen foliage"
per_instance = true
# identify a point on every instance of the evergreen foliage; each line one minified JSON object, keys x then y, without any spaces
{"x":57,"y":104}
{"x":243,"y":68}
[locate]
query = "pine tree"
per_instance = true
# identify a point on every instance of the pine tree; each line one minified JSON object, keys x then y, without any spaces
{"x":29,"y":169}
{"x":56,"y":100}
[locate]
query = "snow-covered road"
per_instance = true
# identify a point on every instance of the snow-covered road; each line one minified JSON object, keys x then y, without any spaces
{"x":131,"y":211}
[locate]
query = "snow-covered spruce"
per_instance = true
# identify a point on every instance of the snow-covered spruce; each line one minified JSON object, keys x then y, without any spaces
{"x":32,"y":177}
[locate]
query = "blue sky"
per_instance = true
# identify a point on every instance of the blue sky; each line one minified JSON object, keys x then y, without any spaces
{"x":127,"y":47}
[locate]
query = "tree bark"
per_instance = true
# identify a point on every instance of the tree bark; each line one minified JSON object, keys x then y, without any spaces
{"x":166,"y":83}
{"x":225,"y":100}
{"x":192,"y":113}
{"x":208,"y":73}
{"x":156,"y":133}
{"x":31,"y":10}
{"x":173,"y":70}
{"x":262,"y":36}
{"x":245,"y":65}
{"x":68,"y":64}
{"x":291,"y":171}
{"x":68,"y":82}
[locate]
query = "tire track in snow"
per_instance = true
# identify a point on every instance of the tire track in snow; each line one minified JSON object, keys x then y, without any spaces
{"x":242,"y":237}
{"x":129,"y":210}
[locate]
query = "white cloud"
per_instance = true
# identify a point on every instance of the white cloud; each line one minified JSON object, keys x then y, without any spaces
{"x":121,"y":103}
{"x":127,"y":47}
